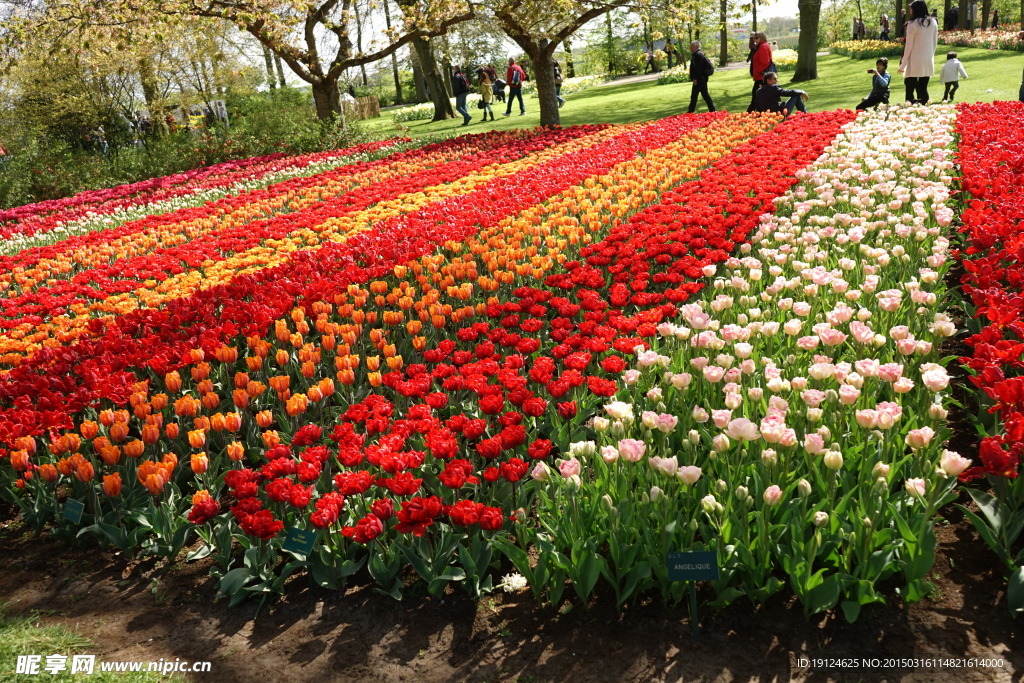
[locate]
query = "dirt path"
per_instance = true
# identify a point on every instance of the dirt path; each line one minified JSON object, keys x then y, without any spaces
{"x":145,"y":611}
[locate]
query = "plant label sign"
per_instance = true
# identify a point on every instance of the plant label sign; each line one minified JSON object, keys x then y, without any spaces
{"x":73,"y":510}
{"x":299,"y":541}
{"x":693,"y":566}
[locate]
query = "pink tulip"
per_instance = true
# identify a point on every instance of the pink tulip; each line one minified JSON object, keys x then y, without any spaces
{"x":631,"y":449}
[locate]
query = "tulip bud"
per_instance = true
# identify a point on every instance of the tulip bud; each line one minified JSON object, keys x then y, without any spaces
{"x":769,"y":458}
{"x":803,"y":487}
{"x":834,"y":460}
{"x":820,"y":518}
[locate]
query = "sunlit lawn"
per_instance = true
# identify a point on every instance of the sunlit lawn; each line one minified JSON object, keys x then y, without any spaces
{"x":841,"y":83}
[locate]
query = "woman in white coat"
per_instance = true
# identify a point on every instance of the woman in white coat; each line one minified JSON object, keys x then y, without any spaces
{"x":918,"y":62}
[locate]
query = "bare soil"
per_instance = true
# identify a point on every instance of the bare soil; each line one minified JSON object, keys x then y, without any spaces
{"x":147,"y":610}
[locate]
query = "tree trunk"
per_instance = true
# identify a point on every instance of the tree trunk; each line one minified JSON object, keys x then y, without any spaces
{"x":268,"y":59}
{"x":280,"y":72}
{"x":570,"y":70}
{"x":359,"y":38}
{"x":544,"y":72}
{"x":611,"y":44}
{"x":961,"y":22}
{"x":394,"y":58}
{"x":723,"y":55}
{"x":753,"y":9}
{"x":435,"y":82}
{"x":418,"y":80}
{"x":807,"y":47}
{"x":945,"y":11}
{"x":986,"y":8}
{"x":327,"y":98}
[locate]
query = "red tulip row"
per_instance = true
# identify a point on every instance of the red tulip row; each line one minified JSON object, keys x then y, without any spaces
{"x":44,"y":216}
{"x":992,"y":160}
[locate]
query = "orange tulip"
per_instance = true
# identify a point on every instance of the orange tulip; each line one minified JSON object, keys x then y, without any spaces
{"x":227,"y":354}
{"x":134,"y":448}
{"x":201,"y":422}
{"x":271,"y":438}
{"x":232,"y":422}
{"x":118,"y":432}
{"x":282,"y":357}
{"x":142,"y":410}
{"x":217,"y":422}
{"x":172,"y":430}
{"x":205,"y":386}
{"x":255,"y":389}
{"x":240,"y":397}
{"x":254,"y":363}
{"x":110,"y":455}
{"x":280,"y":382}
{"x":211,"y":400}
{"x":241,"y":379}
{"x":112,"y":485}
{"x":19,"y":460}
{"x":395,"y":362}
{"x":159,"y":401}
{"x":236,"y":451}
{"x":150,"y":434}
{"x":70,"y":442}
{"x":328,"y":341}
{"x":49,"y":473}
{"x":264,"y":418}
{"x":296,"y":405}
{"x":200,"y":463}
{"x":197,"y":438}
{"x":314,"y":394}
{"x":107,"y":417}
{"x":326,"y":386}
{"x":373,"y":363}
{"x":84,"y":472}
{"x":345,"y":377}
{"x":201,"y":371}
{"x":26,"y":443}
{"x":374,"y":379}
{"x":172,"y":380}
{"x":197,"y":355}
{"x":308,"y":370}
{"x":186,"y":406}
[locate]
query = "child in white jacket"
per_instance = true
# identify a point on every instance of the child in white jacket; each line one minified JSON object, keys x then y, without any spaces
{"x":952,"y":70}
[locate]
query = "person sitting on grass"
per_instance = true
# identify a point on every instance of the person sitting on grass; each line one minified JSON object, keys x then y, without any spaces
{"x":767,"y":96}
{"x":879,"y":85}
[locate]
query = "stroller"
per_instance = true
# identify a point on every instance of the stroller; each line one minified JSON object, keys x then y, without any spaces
{"x":499,"y":90}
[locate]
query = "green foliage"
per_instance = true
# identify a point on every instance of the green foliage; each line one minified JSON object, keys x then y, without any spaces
{"x":264,"y":123}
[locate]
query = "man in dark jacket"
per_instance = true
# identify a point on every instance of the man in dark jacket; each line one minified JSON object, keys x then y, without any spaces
{"x":767,"y":96}
{"x":700,"y":67}
{"x":460,"y":88}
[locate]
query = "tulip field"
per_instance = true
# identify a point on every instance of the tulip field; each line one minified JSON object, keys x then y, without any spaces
{"x":537,"y":360}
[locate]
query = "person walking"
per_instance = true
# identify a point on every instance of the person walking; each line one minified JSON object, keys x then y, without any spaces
{"x":950,"y":75}
{"x":918,"y":62}
{"x":557,"y":68}
{"x":648,"y":60}
{"x":884,"y":25}
{"x":460,"y":88}
{"x":514,"y":77}
{"x":700,"y":69}
{"x":486,"y":95}
{"x":670,"y":52}
{"x":760,"y":61}
{"x":995,"y":18}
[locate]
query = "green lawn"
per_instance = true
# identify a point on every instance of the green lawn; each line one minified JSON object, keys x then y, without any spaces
{"x":26,"y":635}
{"x":842,"y":82}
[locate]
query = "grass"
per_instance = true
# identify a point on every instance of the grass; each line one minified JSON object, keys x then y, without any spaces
{"x":842,"y":82}
{"x":25,"y":635}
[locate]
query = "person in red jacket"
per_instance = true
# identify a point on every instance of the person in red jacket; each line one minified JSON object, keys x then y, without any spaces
{"x":514,"y":77}
{"x":759,"y":63}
